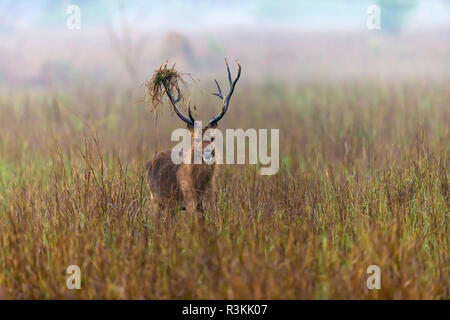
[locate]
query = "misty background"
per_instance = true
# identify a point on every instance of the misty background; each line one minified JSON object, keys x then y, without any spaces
{"x":122,"y":42}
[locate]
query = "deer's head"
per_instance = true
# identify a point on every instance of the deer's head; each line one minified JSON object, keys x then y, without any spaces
{"x":190,"y":121}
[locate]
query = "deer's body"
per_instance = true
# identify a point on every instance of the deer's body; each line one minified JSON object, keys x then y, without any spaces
{"x":170,"y":182}
{"x":192,"y":183}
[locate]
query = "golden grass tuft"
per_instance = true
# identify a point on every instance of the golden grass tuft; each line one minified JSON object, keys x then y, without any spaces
{"x":164,"y":77}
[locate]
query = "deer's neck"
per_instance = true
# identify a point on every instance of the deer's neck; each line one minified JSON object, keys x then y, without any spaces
{"x":202,"y":175}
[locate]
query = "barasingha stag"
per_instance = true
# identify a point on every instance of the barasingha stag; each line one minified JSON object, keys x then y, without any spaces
{"x":191,"y":183}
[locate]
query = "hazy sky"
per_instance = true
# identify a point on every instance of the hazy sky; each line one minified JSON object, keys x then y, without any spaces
{"x":190,"y":15}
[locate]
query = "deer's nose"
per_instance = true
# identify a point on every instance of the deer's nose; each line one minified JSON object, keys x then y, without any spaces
{"x":208,"y":155}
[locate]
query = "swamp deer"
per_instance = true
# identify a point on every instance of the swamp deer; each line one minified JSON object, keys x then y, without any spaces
{"x":193,"y":183}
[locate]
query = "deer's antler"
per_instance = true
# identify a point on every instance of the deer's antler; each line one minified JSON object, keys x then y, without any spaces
{"x":225,"y":100}
{"x":190,"y":121}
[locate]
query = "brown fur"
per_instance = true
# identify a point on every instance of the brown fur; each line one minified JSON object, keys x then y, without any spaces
{"x":169,"y":182}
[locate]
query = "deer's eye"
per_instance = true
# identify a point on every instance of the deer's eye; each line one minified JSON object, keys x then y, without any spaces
{"x":212,"y":139}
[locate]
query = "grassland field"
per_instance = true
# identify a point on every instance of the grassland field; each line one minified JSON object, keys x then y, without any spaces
{"x":363,"y":180}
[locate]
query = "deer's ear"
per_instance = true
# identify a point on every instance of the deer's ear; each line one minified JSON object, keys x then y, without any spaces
{"x":213,"y":126}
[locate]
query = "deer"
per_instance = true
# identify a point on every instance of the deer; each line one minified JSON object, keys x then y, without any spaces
{"x":191,"y":183}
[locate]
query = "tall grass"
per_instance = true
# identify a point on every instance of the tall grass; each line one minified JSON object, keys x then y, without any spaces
{"x":364,"y":180}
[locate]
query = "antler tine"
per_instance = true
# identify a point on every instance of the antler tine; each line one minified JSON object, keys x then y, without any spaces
{"x":190,"y":121}
{"x":179,"y":96}
{"x":225,"y":100}
{"x":218,"y":89}
{"x":229,"y":73}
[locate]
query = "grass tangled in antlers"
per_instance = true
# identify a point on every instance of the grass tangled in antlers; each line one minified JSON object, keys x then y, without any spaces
{"x":164,"y":77}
